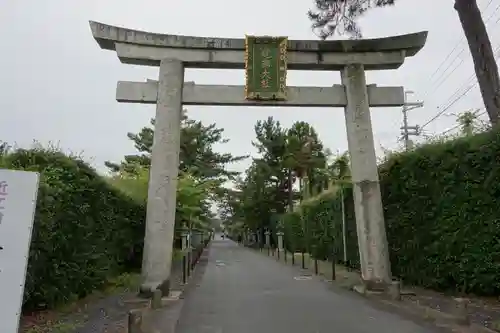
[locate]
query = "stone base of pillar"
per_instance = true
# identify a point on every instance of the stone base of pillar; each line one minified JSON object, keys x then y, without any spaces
{"x":375,"y":285}
{"x":148,"y":291}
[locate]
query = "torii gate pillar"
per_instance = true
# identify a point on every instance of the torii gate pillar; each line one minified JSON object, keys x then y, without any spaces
{"x":162,"y":189}
{"x":368,"y":209}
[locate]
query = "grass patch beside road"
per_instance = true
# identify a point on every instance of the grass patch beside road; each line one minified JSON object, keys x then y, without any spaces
{"x":72,"y":316}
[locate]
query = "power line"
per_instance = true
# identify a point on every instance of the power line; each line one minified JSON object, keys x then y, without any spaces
{"x":460,"y":96}
{"x":458,"y":125}
{"x":446,"y":58}
{"x":442,"y":78}
{"x":462,"y":50}
{"x":449,"y":130}
{"x":460,"y":41}
{"x":471,"y":78}
{"x":462,"y":60}
{"x":446,"y":108}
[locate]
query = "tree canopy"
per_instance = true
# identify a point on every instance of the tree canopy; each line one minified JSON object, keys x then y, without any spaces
{"x":285,"y":156}
{"x":202,"y":170}
{"x":197,"y":154}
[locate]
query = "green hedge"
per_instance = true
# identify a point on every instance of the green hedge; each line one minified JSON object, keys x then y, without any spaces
{"x":442,"y":214}
{"x":320,"y":219}
{"x":85,"y":230}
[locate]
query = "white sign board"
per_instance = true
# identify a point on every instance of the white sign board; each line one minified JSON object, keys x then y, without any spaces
{"x":18,"y":191}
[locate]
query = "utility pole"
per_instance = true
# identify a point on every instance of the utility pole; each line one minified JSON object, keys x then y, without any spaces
{"x":408,"y":130}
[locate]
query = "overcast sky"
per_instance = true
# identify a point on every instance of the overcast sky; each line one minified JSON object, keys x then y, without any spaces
{"x":58,"y":86}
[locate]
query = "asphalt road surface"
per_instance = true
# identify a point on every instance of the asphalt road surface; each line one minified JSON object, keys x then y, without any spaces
{"x":245,"y":292}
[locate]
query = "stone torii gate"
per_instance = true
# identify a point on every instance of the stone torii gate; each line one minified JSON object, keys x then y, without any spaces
{"x":173,"y":53}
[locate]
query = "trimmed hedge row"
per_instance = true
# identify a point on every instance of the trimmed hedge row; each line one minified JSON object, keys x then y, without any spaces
{"x":320,"y":220}
{"x":441,"y":212}
{"x":85,"y":230}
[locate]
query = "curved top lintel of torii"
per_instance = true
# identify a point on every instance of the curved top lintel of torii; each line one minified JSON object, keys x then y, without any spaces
{"x":107,"y":35}
{"x":145,"y":48}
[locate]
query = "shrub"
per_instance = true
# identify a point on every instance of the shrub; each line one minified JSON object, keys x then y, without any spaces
{"x":320,"y":219}
{"x":440,"y":204}
{"x":85,"y":231}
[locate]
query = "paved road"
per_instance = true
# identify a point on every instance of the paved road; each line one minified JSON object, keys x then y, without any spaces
{"x":245,"y":292}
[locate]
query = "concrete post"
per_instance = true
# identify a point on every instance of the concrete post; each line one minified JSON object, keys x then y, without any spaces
{"x":372,"y":239}
{"x":160,"y":219}
{"x":280,"y":240}
{"x":460,"y":311}
{"x":156,"y":299}
{"x":280,"y":249}
{"x":267,"y":234}
{"x":135,"y":319}
{"x":394,"y":290}
{"x":184,"y":240}
{"x":268,"y":238}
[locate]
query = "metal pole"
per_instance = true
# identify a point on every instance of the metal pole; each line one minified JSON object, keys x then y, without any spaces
{"x":334,"y":274}
{"x":284,"y":248}
{"x":184,"y":268}
{"x":184,"y":242}
{"x":189,"y":261}
{"x":406,"y":137}
{"x":344,"y":224}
